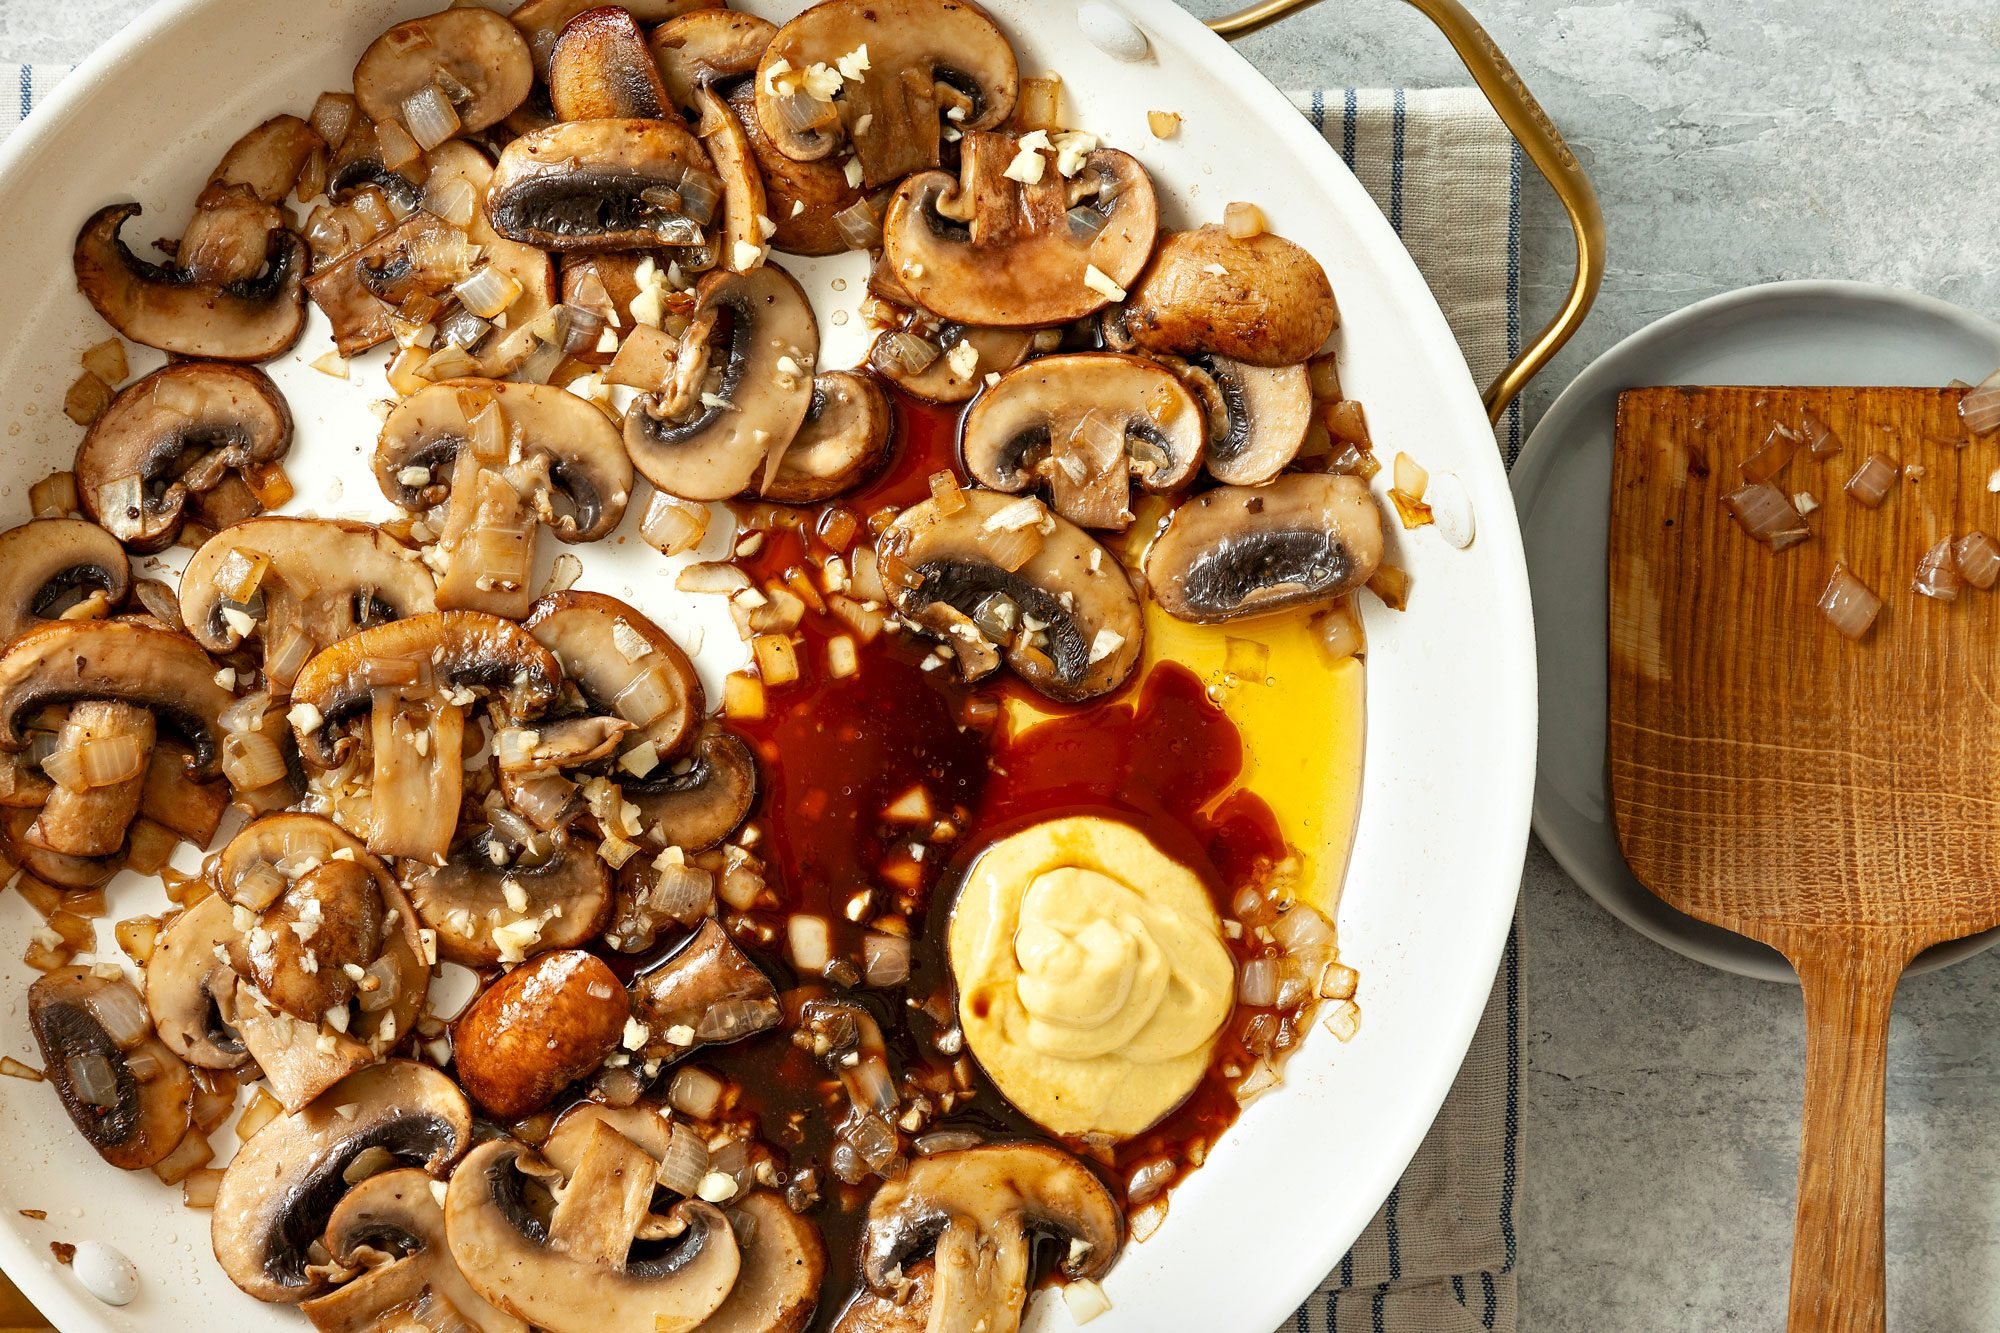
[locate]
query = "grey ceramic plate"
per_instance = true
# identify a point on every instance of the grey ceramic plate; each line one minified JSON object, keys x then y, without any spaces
{"x":1783,"y":333}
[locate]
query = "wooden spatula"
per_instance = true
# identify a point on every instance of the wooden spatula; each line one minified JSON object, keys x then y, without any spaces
{"x":1838,"y":800}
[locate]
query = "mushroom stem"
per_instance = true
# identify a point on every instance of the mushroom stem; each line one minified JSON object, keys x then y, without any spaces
{"x":488,"y":543}
{"x":91,"y":820}
{"x":606,"y":1199}
{"x":418,"y":777}
{"x":981,"y":1277}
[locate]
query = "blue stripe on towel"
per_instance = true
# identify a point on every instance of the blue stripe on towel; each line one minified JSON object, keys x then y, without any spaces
{"x":1349,"y":113}
{"x":1513,"y":447}
{"x":1378,"y":1311}
{"x":1390,"y":1221}
{"x":1397,"y":125}
{"x":27,"y":90}
{"x":1319,"y":110}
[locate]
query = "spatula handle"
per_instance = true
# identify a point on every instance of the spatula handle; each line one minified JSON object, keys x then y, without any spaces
{"x":1850,"y":981}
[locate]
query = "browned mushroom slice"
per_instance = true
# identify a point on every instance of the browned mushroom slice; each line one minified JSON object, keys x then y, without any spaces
{"x":1088,"y":425}
{"x":1305,"y":539}
{"x":125,"y":1092}
{"x":708,"y":47}
{"x":939,"y":371}
{"x":461,"y":176}
{"x":163,"y":306}
{"x":389,"y":1229}
{"x":602,"y":69}
{"x":58,"y":569}
{"x":282,"y":1186}
{"x":53,"y":868}
{"x":99,"y":766}
{"x":542,"y":21}
{"x":268,"y":159}
{"x":707,"y":992}
{"x":421,"y":256}
{"x":186,"y":977}
{"x":907,"y":1309}
{"x":882,"y":75}
{"x":844,"y":440}
{"x":698,"y":800}
{"x":1257,"y":415}
{"x":414,"y":679}
{"x":229,"y":235}
{"x":740,"y":236}
{"x":625,"y":665}
{"x":985,"y":248}
{"x":1002,"y":576}
{"x":309,"y":949}
{"x":603,"y":185}
{"x":980,"y":1211}
{"x":1262,"y":299}
{"x":124,"y":661}
{"x":742,"y":385}
{"x":580,"y":1268}
{"x":784,"y":1262}
{"x":471,"y":58}
{"x":174,"y":435}
{"x":805,"y":201}
{"x":487,"y":912}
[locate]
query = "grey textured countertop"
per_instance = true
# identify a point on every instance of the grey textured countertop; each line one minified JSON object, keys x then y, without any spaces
{"x":1731,"y":144}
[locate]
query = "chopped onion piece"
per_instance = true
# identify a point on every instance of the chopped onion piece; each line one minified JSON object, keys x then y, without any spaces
{"x":332,"y":117}
{"x":488,"y":291}
{"x":93,"y":1081}
{"x":1767,"y":515}
{"x":1937,"y":573}
{"x":1870,"y":485}
{"x":1257,"y":986}
{"x":1848,"y":603}
{"x":1769,"y":461}
{"x":1980,"y":408}
{"x":452,"y":199}
{"x":885,"y":959}
{"x":811,"y":943}
{"x":685,"y":1161}
{"x":915,"y":353}
{"x":430,"y":115}
{"x":945,"y":493}
{"x":673,"y":525}
{"x":695,"y":1092}
{"x":1978,"y":559}
{"x":1085,"y":223}
{"x":251,"y":759}
{"x":1819,"y":439}
{"x":1243,"y":221}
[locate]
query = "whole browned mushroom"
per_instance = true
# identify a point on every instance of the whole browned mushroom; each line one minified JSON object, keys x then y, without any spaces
{"x":538,"y":1029}
{"x":1262,"y":299}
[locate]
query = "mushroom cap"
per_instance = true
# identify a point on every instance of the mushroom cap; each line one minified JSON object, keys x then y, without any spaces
{"x":538,"y":1029}
{"x":761,"y":318}
{"x":783,"y":1264}
{"x":46,"y":561}
{"x":464,"y":899}
{"x":267,"y":160}
{"x":983,"y":249}
{"x":183,"y":980}
{"x":484,"y":53}
{"x":123,"y":660}
{"x":697,"y":802}
{"x":327,"y":578}
{"x":252,"y":319}
{"x":504,"y":1250}
{"x":581,"y":185}
{"x":345,"y":909}
{"x":1031,"y":426}
{"x":843,"y":440}
{"x":801,"y":198}
{"x":94,"y":1031}
{"x":589,"y":473}
{"x":1257,"y":415}
{"x":445,"y":648}
{"x":601,"y":69}
{"x":1305,"y":539}
{"x":1262,"y":299}
{"x":542,"y":21}
{"x":281,"y":1187}
{"x":637,"y":673}
{"x":709,"y":986}
{"x":177,"y":432}
{"x":1030,"y":1187}
{"x":913,"y":46}
{"x":955,"y":560}
{"x":54,"y":868}
{"x":708,"y":46}
{"x":999,"y":350}
{"x":391,"y":1226}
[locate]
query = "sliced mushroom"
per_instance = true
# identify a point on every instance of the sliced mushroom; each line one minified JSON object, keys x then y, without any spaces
{"x":542,"y":21}
{"x":1305,"y":539}
{"x":577,"y":474}
{"x":299,"y":951}
{"x":54,"y":569}
{"x":390,"y":1229}
{"x":906,"y":1310}
{"x":1088,"y":425}
{"x":1063,"y":604}
{"x":695,"y":802}
{"x":108,"y":745}
{"x":361,"y":291}
{"x":51,"y":867}
{"x":538,"y":1029}
{"x":983,"y":248}
{"x":170,"y":799}
{"x":742,"y":386}
{"x":160,"y":305}
{"x":124,"y":1090}
{"x":707,"y":47}
{"x":567,"y":895}
{"x":500,"y":352}
{"x":585,"y":185}
{"x":1262,"y":299}
{"x":650,"y":1127}
{"x":172,"y":436}
{"x":58,"y":569}
{"x":301,"y":584}
{"x":740,"y":234}
{"x":710,"y":988}
{"x":804,"y":200}
{"x":299,"y":1060}
{"x":282,"y":1186}
{"x":783,"y":1264}
{"x":124,"y":661}
{"x":950,"y":376}
{"x":577,"y":1269}
{"x":843,"y":441}
{"x":474,"y":58}
{"x":624,"y":665}
{"x":602,"y":69}
{"x":416,"y":677}
{"x":980,"y":1211}
{"x":923,"y":60}
{"x":268,"y":159}
{"x":1257,"y":415}
{"x":184,"y":979}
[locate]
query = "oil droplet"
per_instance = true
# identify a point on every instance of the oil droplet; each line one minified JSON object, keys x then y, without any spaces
{"x":840,"y":284}
{"x":839,"y":317}
{"x":13,"y":428}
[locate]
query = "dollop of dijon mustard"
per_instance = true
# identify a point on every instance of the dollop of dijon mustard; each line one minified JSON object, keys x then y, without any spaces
{"x":1092,"y":975}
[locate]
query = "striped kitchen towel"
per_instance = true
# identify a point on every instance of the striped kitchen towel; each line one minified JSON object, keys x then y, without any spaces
{"x":1439,"y":1257}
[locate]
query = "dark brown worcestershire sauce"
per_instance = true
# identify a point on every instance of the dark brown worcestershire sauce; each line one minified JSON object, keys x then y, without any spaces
{"x":835,"y":753}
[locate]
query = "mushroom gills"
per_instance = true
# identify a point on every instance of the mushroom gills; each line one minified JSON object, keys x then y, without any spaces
{"x":58,"y":568}
{"x":1305,"y":539}
{"x":124,"y":1090}
{"x":1258,"y":416}
{"x":612,"y":184}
